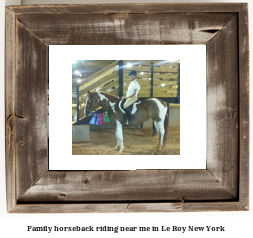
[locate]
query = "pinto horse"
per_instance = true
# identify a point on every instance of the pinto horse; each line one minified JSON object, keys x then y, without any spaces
{"x":151,"y":108}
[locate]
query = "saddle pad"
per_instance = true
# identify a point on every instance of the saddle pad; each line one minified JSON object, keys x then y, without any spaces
{"x":132,"y":107}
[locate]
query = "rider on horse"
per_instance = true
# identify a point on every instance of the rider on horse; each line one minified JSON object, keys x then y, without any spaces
{"x":131,"y":95}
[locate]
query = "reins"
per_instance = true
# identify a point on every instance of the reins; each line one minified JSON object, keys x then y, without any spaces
{"x":91,"y":102}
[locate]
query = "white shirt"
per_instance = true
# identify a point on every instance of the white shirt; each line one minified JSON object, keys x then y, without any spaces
{"x":132,"y":86}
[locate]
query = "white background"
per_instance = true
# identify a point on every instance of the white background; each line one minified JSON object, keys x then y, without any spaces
{"x":239,"y":224}
{"x":192,"y":120}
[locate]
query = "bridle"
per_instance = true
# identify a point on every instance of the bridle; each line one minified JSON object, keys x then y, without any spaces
{"x":90,"y":100}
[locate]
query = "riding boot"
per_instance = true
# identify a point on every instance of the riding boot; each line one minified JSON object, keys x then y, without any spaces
{"x":129,"y":116}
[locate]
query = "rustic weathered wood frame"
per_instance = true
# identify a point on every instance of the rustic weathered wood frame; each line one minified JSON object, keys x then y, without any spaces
{"x":222,"y":186}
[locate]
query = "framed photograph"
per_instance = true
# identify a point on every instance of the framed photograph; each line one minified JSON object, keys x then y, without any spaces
{"x":157,"y":119}
{"x":165,"y":79}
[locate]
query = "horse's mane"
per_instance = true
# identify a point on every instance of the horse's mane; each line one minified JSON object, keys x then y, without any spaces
{"x":110,"y":97}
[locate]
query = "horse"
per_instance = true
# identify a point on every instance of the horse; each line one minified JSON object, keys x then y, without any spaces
{"x":151,"y":108}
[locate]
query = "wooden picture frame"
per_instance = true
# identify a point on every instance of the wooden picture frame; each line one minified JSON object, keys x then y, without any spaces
{"x":223,"y":186}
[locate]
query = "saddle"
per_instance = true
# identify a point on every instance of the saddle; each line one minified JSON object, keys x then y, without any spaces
{"x":132,"y":108}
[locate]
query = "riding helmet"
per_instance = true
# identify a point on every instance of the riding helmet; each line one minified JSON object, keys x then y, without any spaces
{"x":132,"y":72}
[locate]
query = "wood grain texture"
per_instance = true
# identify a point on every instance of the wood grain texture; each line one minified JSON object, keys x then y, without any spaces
{"x":129,"y":207}
{"x":222,"y":107}
{"x":223,"y":186}
{"x":9,"y":108}
{"x":186,"y":207}
{"x":140,"y":185}
{"x":244,"y":106}
{"x":122,"y":29}
{"x":30,"y":108}
{"x":155,"y":8}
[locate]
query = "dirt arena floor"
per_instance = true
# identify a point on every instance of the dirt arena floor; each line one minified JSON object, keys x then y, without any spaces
{"x":136,"y":142}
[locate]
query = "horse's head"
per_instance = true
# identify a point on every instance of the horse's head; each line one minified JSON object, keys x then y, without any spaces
{"x":92,"y":103}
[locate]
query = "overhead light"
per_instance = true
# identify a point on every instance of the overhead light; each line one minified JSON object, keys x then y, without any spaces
{"x":80,"y":75}
{"x":76,"y":72}
{"x":129,"y":65}
{"x":79,"y":80}
{"x":141,"y":73}
{"x":163,"y":85}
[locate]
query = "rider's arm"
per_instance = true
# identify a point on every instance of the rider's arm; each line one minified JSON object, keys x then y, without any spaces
{"x":134,"y":93}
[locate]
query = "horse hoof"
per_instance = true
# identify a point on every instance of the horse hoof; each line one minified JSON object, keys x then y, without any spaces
{"x":120,"y":152}
{"x":160,"y":148}
{"x":116,"y":148}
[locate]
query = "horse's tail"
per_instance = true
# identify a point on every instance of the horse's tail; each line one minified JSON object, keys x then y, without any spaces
{"x":166,"y":127}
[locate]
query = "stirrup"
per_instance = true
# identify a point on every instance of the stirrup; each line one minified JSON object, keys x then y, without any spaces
{"x":128,"y":122}
{"x":128,"y":116}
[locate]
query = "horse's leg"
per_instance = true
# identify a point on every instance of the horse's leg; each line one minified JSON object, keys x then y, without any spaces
{"x":120,"y":136}
{"x":161,"y":132}
{"x":159,"y":135}
{"x":118,"y":141}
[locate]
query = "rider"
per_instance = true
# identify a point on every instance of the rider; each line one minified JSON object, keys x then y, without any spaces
{"x":132,"y":94}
